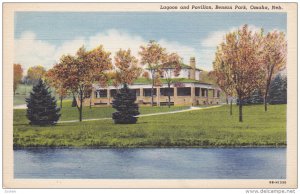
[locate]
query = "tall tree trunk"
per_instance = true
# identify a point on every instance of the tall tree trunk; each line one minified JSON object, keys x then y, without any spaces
{"x":152,"y":89}
{"x":61,"y":98}
{"x":152,"y":97}
{"x":169,"y":97}
{"x":80,"y":108}
{"x":226,"y":99}
{"x":231,"y":107}
{"x":267,"y":88}
{"x":90,"y":103}
{"x":265,"y":102}
{"x":80,"y":111}
{"x":240,"y":110}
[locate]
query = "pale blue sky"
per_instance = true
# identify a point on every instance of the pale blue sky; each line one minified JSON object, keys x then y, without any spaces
{"x":190,"y":34}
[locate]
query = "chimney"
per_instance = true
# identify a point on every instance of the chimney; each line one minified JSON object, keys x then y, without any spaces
{"x":193,"y":66}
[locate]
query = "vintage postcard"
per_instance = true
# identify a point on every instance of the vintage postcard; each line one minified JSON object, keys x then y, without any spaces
{"x":150,"y":95}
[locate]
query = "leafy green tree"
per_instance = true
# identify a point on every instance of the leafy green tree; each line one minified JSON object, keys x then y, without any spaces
{"x":35,"y":73}
{"x":41,"y":106}
{"x":127,"y":109}
{"x":278,"y":90}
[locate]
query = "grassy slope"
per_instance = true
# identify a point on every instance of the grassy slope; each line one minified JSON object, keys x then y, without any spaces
{"x":211,"y":127}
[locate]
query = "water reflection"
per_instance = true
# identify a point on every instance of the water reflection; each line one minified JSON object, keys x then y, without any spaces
{"x":169,"y":163}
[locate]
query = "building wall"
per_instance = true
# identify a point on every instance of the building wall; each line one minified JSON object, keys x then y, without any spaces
{"x":184,"y":73}
{"x":196,"y":97}
{"x":197,"y":75}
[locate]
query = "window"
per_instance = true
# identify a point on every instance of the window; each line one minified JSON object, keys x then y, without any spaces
{"x":203,"y":92}
{"x":166,"y":91}
{"x":137,"y":92}
{"x":101,"y":93}
{"x":183,"y":91}
{"x":147,"y":92}
{"x":113,"y":93}
{"x":197,"y":91}
{"x":218,"y":93}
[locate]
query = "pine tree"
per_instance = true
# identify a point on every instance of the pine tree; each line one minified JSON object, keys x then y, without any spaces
{"x":41,"y":106}
{"x":127,"y":109}
{"x":278,"y":90}
{"x":74,"y":102}
{"x":256,"y":97}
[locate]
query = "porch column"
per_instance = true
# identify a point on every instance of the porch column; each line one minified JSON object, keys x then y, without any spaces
{"x":141,"y":92}
{"x":207,"y":95}
{"x":193,"y":95}
{"x":158,"y":96}
{"x":108,"y":96}
{"x":175,"y":95}
{"x":200,"y":93}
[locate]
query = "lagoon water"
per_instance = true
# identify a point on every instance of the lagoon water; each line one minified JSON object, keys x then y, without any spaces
{"x":151,"y":163}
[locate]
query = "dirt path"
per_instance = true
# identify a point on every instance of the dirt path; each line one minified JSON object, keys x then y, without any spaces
{"x":192,"y":108}
{"x":21,"y":106}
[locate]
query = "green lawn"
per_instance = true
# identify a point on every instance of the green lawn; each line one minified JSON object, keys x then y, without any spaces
{"x":208,"y":128}
{"x":22,"y":92}
{"x":71,"y":113}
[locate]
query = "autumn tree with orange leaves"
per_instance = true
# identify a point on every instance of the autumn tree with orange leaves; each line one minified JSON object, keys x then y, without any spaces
{"x":223,"y":77}
{"x":18,"y":74}
{"x":170,"y":69}
{"x":153,"y":56}
{"x":240,"y":62}
{"x":81,"y":71}
{"x":57,"y":83}
{"x":127,"y":69}
{"x":274,"y":59}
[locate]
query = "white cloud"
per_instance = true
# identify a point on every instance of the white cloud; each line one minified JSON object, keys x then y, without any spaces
{"x":214,"y":39}
{"x":217,"y":37}
{"x":183,"y":50}
{"x":30,"y":51}
{"x":69,"y":47}
{"x":113,"y":40}
{"x":210,"y":43}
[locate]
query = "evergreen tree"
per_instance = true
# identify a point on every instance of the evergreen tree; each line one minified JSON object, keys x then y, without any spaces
{"x":74,"y":102}
{"x":124,"y":103}
{"x":41,"y":106}
{"x":256,"y":97}
{"x":278,"y":90}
